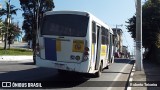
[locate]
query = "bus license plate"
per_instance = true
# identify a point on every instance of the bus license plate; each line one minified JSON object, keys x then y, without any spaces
{"x":59,"y":66}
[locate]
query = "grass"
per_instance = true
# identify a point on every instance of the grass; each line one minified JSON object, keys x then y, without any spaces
{"x":15,"y":52}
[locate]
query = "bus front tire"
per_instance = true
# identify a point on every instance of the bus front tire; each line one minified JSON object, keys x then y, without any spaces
{"x":98,"y":74}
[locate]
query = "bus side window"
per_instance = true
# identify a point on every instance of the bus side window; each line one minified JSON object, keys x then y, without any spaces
{"x":107,"y":36}
{"x":93,"y":32}
{"x":103,"y":35}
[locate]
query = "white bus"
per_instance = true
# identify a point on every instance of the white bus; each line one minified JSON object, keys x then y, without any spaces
{"x":74,"y":41}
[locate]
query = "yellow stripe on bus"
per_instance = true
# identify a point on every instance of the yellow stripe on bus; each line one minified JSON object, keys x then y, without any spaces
{"x":93,"y":49}
{"x":103,"y":50}
{"x":58,"y":45}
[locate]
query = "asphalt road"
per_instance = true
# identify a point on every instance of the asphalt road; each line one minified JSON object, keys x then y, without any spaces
{"x":116,"y":76}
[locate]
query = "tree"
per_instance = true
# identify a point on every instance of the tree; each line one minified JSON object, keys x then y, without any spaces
{"x":8,"y":11}
{"x":132,"y":26}
{"x":2,"y":29}
{"x":14,"y":30}
{"x":1,"y":32}
{"x":150,"y":27}
{"x":33,"y":9}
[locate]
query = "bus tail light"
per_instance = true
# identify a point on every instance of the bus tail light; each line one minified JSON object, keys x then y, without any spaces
{"x":86,"y":53}
{"x":86,"y":49}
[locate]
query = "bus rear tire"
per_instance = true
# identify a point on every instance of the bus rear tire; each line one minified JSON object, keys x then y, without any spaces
{"x":107,"y":67}
{"x":98,"y":74}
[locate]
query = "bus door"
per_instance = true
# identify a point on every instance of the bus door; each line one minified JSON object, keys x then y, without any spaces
{"x":98,"y":46}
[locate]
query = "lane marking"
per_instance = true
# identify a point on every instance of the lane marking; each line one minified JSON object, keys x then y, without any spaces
{"x":110,"y":88}
{"x":132,"y":74}
{"x":133,"y":67}
{"x":133,"y":70}
{"x":130,"y":79}
{"x":128,"y":88}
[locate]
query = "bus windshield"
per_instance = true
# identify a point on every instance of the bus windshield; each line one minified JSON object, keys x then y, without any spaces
{"x":65,"y":25}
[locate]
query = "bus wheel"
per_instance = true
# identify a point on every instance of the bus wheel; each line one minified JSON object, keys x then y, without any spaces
{"x":107,"y":67}
{"x":98,"y":74}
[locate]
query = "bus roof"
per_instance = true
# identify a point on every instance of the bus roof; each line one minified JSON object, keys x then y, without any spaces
{"x":84,"y":13}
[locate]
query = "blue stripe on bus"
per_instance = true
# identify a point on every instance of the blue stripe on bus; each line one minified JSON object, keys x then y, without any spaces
{"x":50,"y":49}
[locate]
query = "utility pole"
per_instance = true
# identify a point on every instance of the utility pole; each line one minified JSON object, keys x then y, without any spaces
{"x":138,"y":36}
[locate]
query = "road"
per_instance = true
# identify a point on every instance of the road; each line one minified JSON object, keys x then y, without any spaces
{"x":115,"y":76}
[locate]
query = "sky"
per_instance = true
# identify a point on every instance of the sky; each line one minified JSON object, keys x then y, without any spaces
{"x":112,"y":12}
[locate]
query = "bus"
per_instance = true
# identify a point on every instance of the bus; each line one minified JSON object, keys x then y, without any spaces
{"x":74,"y":41}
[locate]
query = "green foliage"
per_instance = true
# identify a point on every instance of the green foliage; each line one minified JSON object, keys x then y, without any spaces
{"x":31,"y":10}
{"x":158,"y":40}
{"x":5,"y":11}
{"x":150,"y":25}
{"x":2,"y":27}
{"x":15,"y":52}
{"x":13,"y":30}
{"x":151,"y":20}
{"x":132,"y":26}
{"x":8,"y":11}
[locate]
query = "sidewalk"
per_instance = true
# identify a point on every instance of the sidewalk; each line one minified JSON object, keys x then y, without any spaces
{"x":150,"y":75}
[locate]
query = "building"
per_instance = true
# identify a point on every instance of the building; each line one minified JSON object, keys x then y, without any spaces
{"x":118,"y":40}
{"x":125,"y":52}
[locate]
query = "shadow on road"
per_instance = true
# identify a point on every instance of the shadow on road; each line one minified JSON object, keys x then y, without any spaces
{"x":124,"y":61}
{"x":52,"y":79}
{"x":116,"y":72}
{"x":47,"y":76}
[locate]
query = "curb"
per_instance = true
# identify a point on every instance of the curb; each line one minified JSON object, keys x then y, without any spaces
{"x":17,"y":58}
{"x":130,"y":78}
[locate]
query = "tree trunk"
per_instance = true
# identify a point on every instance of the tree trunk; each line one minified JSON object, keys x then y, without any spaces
{"x":5,"y":43}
